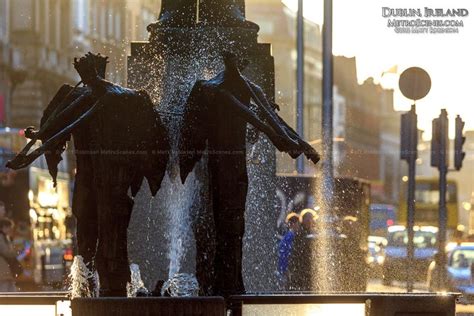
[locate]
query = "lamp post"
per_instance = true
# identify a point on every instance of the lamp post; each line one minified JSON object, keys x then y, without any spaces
{"x":327,"y":111}
{"x":300,"y":81}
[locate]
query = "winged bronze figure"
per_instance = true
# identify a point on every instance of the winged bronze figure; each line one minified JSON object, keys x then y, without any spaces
{"x":215,"y":120}
{"x":119,"y":140}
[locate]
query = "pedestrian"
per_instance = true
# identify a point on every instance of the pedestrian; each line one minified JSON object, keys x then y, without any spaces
{"x":308,"y":220}
{"x":3,"y":210}
{"x":285,"y":248}
{"x":301,"y":262}
{"x":8,"y":261}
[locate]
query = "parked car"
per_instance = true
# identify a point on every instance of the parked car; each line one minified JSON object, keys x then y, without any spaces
{"x":396,"y":258}
{"x":376,"y":255}
{"x":458,"y":272}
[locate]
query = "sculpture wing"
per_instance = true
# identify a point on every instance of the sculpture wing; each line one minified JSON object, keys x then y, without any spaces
{"x":194,"y":131}
{"x":154,"y":135}
{"x":61,"y":100}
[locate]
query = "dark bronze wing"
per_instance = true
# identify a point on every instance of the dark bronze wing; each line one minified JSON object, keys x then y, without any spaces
{"x":154,"y":137}
{"x":194,"y":131}
{"x":61,"y":100}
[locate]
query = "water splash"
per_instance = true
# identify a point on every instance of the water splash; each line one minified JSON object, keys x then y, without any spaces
{"x":324,"y":252}
{"x":168,"y":73}
{"x":136,"y":284}
{"x":181,"y":284}
{"x":80,"y":278}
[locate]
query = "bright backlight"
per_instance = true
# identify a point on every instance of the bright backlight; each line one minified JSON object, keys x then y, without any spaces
{"x":303,"y":309}
{"x":28,"y":310}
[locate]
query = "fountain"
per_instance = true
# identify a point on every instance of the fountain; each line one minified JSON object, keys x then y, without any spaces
{"x":167,"y":67}
{"x":172,"y":236}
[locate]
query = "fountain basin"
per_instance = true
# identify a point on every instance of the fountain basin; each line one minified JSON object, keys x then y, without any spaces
{"x":175,"y":306}
{"x":284,"y":304}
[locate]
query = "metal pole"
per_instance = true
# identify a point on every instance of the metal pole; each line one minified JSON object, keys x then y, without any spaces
{"x":327,"y":110}
{"x":411,"y":196}
{"x":300,"y":81}
{"x":443,"y":171}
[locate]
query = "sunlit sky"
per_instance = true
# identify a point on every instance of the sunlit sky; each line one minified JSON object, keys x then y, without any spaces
{"x":361,"y":31}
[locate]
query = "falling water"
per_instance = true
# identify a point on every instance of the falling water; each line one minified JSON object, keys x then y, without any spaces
{"x":79,"y":279}
{"x":169,"y":75}
{"x":136,"y":283}
{"x":181,"y":284}
{"x":323,"y":256}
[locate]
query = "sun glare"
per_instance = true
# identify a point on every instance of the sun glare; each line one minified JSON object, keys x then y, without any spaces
{"x":360,"y":30}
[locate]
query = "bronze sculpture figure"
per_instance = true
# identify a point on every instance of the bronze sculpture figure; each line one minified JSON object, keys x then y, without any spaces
{"x":216,"y":117}
{"x":119,"y":141}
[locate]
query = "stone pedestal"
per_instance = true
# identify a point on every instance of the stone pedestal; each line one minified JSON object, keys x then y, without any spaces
{"x":161,"y":238}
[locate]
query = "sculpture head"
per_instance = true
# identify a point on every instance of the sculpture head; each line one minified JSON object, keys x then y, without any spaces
{"x":91,"y":67}
{"x":232,"y":62}
{"x":293,"y":221}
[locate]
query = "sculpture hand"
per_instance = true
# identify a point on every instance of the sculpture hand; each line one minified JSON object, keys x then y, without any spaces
{"x":30,"y":132}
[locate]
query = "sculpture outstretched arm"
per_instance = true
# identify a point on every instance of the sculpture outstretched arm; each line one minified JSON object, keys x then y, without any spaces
{"x":286,"y":139}
{"x":23,"y":160}
{"x":248,"y":115}
{"x":303,"y":147}
{"x":296,"y":145}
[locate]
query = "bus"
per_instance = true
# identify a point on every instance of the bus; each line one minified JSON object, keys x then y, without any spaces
{"x":41,"y":212}
{"x":427,"y":203}
{"x":382,"y":216}
{"x":348,"y":220}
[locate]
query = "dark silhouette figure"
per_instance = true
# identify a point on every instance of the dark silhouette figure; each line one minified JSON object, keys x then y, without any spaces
{"x":186,"y":13}
{"x":216,"y":118}
{"x":119,"y":140}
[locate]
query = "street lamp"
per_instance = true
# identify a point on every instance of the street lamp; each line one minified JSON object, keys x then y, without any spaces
{"x":300,"y":81}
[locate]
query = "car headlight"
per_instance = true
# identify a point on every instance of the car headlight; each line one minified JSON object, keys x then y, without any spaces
{"x":380,"y":259}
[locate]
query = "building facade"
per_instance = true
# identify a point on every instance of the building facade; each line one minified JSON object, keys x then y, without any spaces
{"x":278,"y":27}
{"x":366,"y":127}
{"x":40,"y":38}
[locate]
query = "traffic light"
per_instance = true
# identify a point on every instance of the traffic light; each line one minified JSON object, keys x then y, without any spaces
{"x":440,"y":141}
{"x":409,"y":136}
{"x":458,"y":143}
{"x":435,"y":143}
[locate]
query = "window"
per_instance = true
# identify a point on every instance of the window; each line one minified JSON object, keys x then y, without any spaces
{"x":3,"y":20}
{"x":110,"y":21}
{"x":462,"y":258}
{"x":428,"y":193}
{"x":81,"y":13}
{"x":422,"y":239}
{"x":21,"y":15}
{"x":118,"y":26}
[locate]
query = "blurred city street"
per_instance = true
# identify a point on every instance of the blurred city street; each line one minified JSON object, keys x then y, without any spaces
{"x":331,"y":152}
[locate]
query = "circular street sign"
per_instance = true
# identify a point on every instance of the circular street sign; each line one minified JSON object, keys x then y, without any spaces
{"x":414,"y":83}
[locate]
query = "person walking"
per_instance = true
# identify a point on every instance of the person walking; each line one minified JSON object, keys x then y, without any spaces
{"x":301,"y":262}
{"x":7,"y":257}
{"x":285,"y":248}
{"x":3,"y":210}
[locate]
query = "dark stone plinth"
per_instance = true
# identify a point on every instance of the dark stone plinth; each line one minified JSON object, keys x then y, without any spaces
{"x":376,"y":304}
{"x":196,"y":306}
